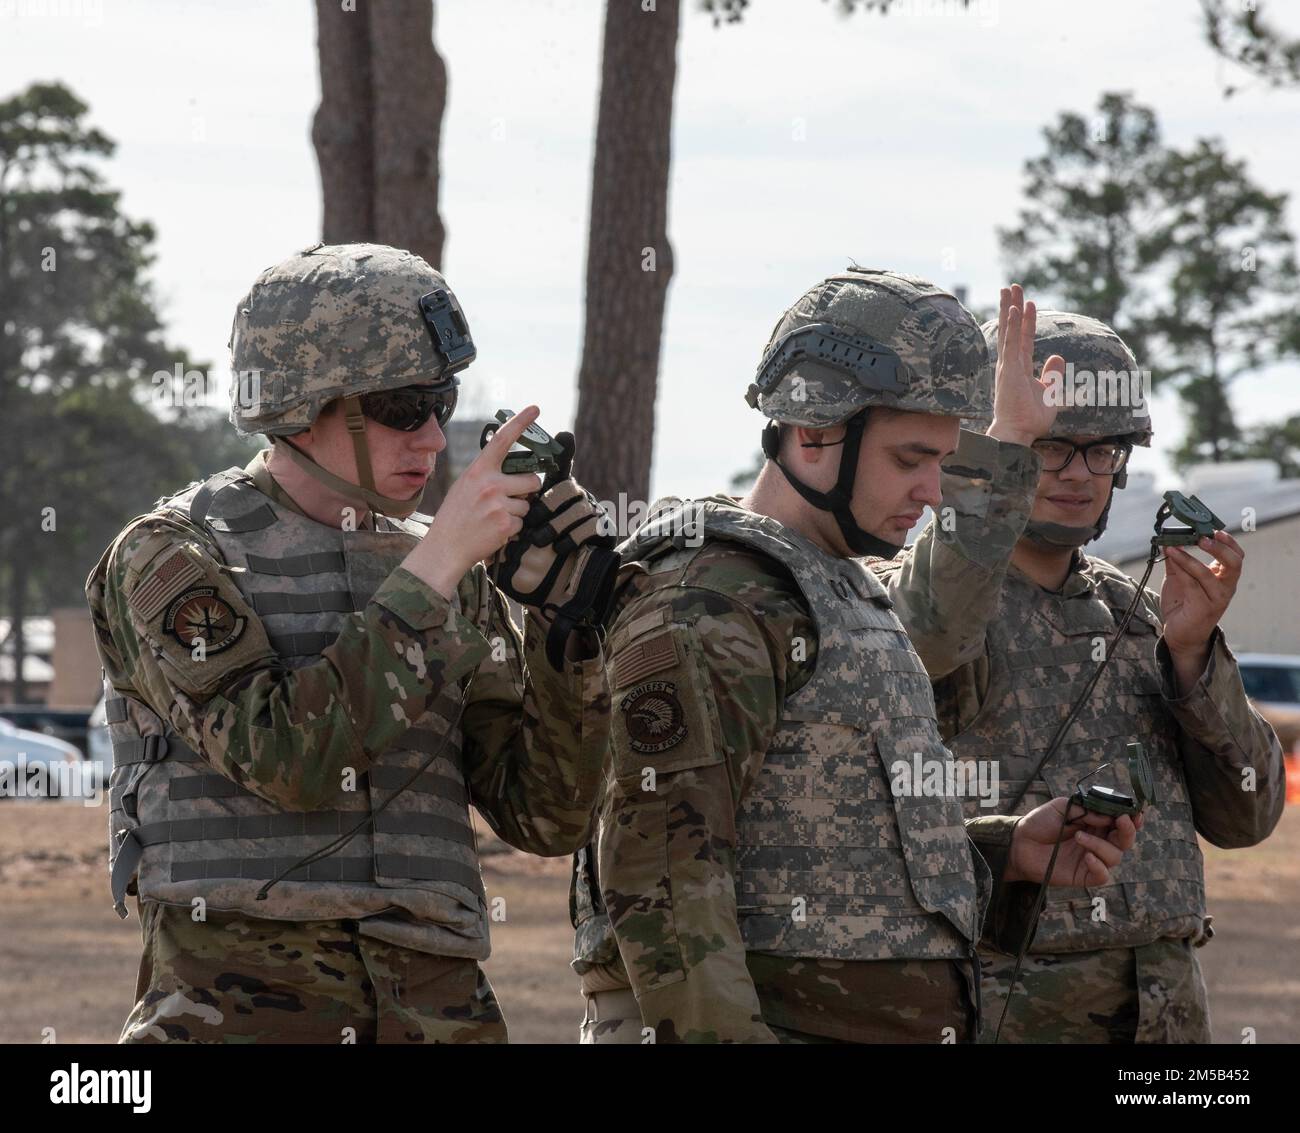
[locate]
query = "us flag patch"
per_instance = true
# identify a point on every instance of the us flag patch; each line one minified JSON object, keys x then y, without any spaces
{"x":643,"y":658}
{"x":175,"y":573}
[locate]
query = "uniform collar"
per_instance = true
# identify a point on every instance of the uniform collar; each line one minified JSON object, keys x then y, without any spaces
{"x":1078,"y":582}
{"x":267,"y":484}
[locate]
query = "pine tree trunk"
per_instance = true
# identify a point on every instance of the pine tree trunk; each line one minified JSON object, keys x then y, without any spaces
{"x":17,"y":629}
{"x":379,"y":125}
{"x":409,"y":89}
{"x":341,"y":128}
{"x":377,"y":132}
{"x":629,"y":260}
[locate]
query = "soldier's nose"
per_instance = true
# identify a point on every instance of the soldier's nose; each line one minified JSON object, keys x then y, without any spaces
{"x":429,"y":437}
{"x":931,"y":492}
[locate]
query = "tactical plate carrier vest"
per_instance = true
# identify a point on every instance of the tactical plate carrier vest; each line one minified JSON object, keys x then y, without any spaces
{"x":1042,"y":648}
{"x":831,"y":863}
{"x":185,"y":831}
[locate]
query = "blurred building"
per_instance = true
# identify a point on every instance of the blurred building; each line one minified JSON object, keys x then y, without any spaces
{"x":38,"y":670}
{"x":61,"y":667}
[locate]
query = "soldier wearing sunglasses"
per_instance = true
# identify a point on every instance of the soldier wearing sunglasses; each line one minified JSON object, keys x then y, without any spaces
{"x":1009,"y":614}
{"x":308,"y":687}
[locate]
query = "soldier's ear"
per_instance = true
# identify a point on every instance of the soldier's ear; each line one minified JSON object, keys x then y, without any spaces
{"x":808,"y":444}
{"x":311,"y":436}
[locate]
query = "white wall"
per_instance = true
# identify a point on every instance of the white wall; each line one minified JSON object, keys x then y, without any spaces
{"x":1264,"y":616}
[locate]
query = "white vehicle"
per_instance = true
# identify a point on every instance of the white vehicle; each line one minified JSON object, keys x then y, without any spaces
{"x":30,"y":764}
{"x":1272,"y":681}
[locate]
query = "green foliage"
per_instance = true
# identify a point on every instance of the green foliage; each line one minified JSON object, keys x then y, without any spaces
{"x":1180,"y":251}
{"x":1088,"y":198}
{"x":1227,"y":264}
{"x":1239,"y":32}
{"x":1279,"y":443}
{"x":733,"y":11}
{"x":743,"y":480}
{"x":79,"y":345}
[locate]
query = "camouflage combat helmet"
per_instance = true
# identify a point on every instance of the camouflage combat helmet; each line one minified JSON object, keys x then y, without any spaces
{"x":1103,"y":395}
{"x":868,"y":337}
{"x":860,"y":339}
{"x":339,"y":321}
{"x":1111,"y":390}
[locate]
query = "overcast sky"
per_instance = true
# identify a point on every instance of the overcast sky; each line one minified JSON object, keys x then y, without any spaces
{"x":801,"y":139}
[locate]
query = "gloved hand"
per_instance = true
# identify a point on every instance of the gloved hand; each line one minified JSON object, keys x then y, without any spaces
{"x":560,"y":564}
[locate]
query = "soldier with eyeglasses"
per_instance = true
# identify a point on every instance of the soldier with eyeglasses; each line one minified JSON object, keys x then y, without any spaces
{"x":1011,"y":618}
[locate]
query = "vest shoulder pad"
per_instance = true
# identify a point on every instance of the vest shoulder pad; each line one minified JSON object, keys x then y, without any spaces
{"x":1116,"y":589}
{"x":740,"y":572}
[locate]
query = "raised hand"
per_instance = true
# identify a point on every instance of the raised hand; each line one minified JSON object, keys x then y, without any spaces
{"x":1022,"y":411}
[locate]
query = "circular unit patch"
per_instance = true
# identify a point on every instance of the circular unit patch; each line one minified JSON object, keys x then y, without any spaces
{"x":654,"y":717}
{"x":199,"y":614}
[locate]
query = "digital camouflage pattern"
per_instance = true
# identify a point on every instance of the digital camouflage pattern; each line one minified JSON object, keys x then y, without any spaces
{"x":281,"y":727}
{"x":942,"y":353}
{"x":711,"y":650}
{"x":236,"y":979}
{"x":331,"y":320}
{"x":883,"y":873}
{"x":988,"y":491}
{"x":1008,"y":658}
{"x":1092,"y":348}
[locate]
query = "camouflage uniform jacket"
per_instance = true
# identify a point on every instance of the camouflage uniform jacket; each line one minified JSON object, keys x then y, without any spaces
{"x":725,"y":800}
{"x":1008,"y":659}
{"x":273,"y":681}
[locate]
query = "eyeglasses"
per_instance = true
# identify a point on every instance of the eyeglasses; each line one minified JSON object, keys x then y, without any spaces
{"x":410,"y":407}
{"x":1103,"y":458}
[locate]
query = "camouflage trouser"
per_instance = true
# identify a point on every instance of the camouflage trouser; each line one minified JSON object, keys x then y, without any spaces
{"x":238,"y":979}
{"x":611,"y":1017}
{"x":872,"y":1001}
{"x":822,"y":1001}
{"x":1151,"y":994}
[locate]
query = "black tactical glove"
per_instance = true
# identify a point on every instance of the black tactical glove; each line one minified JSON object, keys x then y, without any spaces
{"x":560,"y":564}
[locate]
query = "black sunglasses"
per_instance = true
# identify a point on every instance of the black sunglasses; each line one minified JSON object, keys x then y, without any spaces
{"x":408,"y":408}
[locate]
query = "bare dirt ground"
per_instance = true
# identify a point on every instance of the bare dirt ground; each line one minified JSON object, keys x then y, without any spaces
{"x":68,"y":963}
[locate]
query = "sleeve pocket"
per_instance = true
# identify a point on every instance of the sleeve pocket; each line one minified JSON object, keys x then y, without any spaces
{"x":665,"y":716}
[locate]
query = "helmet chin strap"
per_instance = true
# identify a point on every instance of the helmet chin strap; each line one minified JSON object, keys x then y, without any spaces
{"x":1059,"y":535}
{"x":364,"y":492}
{"x":1065,"y":537}
{"x":838,"y":501}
